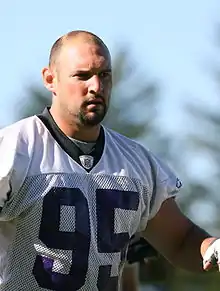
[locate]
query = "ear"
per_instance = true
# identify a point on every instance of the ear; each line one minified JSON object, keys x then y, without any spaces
{"x":49,"y":79}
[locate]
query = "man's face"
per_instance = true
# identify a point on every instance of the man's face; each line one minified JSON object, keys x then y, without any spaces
{"x":84,"y":81}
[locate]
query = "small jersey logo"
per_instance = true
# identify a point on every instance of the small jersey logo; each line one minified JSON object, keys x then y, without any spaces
{"x":86,"y":161}
{"x":178,"y":184}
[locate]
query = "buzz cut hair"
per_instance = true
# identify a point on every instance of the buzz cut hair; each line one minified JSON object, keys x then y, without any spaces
{"x":58,"y":44}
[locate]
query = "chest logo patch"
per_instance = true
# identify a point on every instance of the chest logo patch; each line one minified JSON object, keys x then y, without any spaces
{"x":86,"y":161}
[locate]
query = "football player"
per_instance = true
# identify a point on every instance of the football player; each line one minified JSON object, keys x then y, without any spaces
{"x":73,"y":192}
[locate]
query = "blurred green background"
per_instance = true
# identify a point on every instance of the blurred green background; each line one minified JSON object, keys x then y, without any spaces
{"x":166,"y":92}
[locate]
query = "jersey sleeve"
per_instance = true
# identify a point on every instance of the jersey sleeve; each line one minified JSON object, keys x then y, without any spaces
{"x":165,"y":184}
{"x":13,"y":166}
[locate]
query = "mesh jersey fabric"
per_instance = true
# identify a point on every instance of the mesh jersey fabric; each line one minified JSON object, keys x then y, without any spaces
{"x":63,"y":228}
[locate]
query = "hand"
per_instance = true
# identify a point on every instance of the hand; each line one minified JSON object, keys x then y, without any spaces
{"x":139,"y":250}
{"x":211,"y":257}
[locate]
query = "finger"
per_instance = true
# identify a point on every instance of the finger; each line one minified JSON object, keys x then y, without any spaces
{"x":207,"y":266}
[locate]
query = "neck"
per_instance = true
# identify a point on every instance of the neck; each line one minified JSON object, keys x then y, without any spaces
{"x":72,"y":129}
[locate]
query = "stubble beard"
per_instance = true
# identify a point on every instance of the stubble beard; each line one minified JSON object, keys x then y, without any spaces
{"x":93,"y":117}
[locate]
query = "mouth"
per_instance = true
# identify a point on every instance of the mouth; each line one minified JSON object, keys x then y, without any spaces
{"x":95,"y":102}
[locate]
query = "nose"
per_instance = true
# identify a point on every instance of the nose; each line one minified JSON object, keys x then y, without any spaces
{"x":96,"y":85}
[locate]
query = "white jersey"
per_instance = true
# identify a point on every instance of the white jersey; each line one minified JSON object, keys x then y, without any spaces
{"x":64,"y":227}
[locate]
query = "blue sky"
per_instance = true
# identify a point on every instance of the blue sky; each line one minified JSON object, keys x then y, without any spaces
{"x":172,"y":41}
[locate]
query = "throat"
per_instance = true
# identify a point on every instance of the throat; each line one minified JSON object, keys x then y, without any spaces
{"x":85,"y":147}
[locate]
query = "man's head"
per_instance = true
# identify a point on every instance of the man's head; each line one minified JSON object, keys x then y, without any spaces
{"x":79,"y":77}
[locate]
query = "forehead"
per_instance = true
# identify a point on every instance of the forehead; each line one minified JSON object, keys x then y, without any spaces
{"x":84,"y":55}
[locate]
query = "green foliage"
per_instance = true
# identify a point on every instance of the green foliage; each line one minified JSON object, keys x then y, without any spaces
{"x":206,"y":144}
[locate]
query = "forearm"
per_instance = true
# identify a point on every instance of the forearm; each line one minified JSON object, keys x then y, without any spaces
{"x":177,"y":238}
{"x":189,"y":254}
{"x":130,"y":278}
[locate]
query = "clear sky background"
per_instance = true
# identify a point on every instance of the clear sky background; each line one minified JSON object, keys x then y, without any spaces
{"x":172,"y":41}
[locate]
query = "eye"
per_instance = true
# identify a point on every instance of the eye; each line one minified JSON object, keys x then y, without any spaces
{"x":83,"y":76}
{"x":106,"y":74}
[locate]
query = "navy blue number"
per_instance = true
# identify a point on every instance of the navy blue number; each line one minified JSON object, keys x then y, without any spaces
{"x":108,"y":241}
{"x":77,"y":241}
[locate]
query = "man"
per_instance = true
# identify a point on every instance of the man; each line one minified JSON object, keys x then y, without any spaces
{"x":73,"y":193}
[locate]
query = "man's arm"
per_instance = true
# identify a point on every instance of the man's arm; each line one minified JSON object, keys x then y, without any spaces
{"x":177,"y":238}
{"x":130,"y":278}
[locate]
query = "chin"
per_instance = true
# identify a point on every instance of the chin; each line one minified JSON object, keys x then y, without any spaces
{"x":93,"y":119}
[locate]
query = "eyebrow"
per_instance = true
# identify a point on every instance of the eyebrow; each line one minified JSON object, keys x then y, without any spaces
{"x":83,"y":71}
{"x":89,"y":70}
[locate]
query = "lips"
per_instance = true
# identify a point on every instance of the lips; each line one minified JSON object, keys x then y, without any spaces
{"x":95,"y":101}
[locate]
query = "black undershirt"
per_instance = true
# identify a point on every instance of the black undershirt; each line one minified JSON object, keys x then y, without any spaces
{"x":71,"y":147}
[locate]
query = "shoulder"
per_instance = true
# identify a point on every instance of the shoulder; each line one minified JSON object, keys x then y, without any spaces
{"x":16,"y":150}
{"x":128,"y":145}
{"x":130,"y":151}
{"x":20,"y":133}
{"x":142,"y":157}
{"x":15,"y":156}
{"x":122,"y":140}
{"x":19,"y":127}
